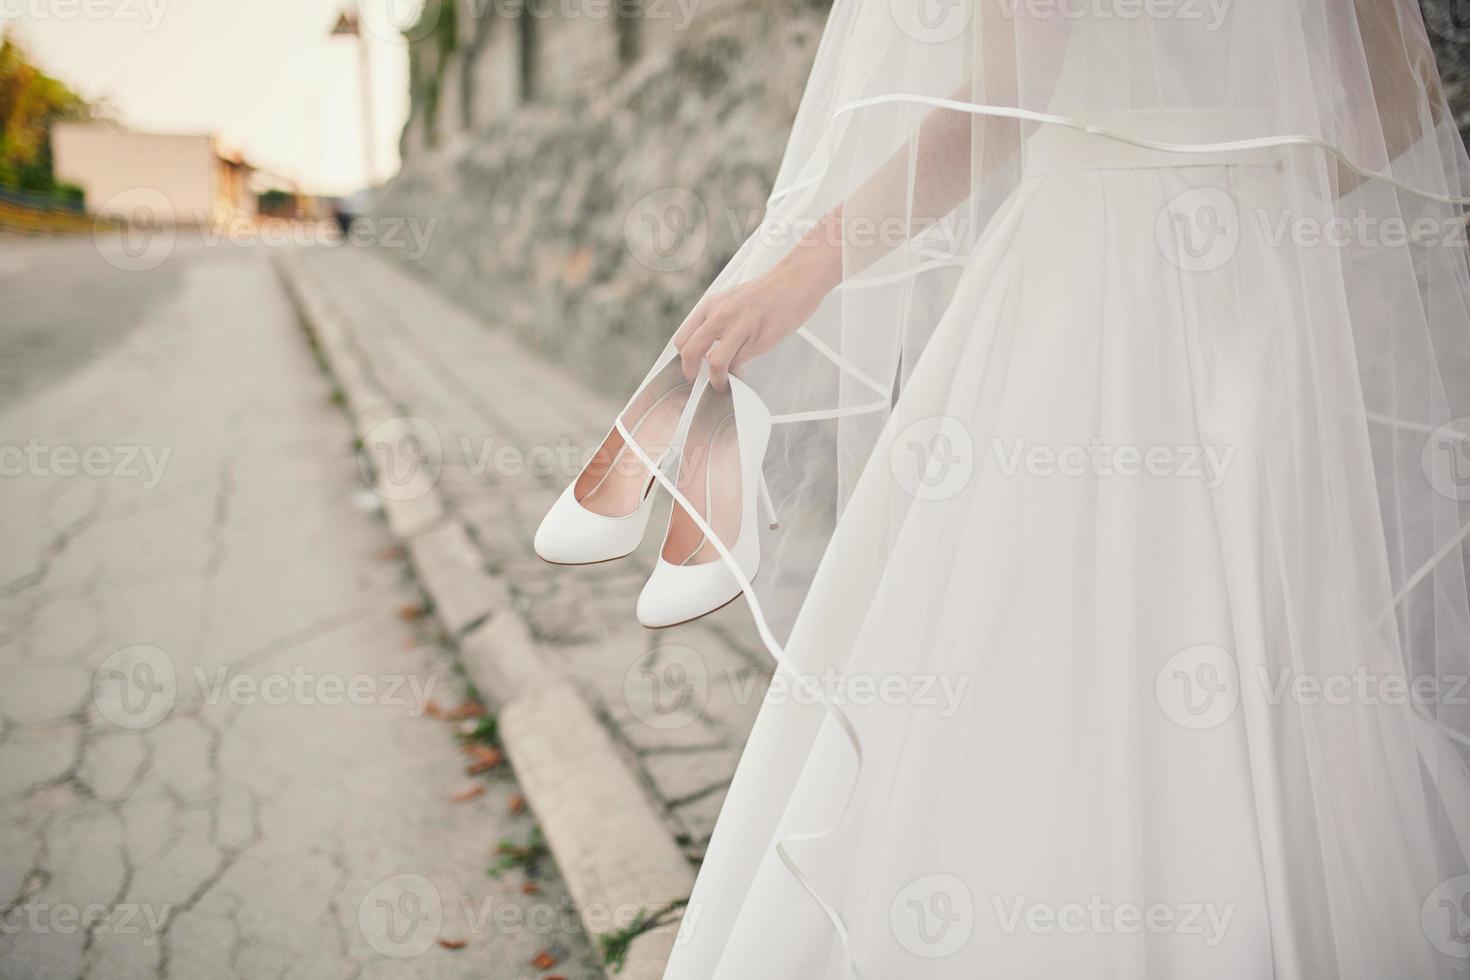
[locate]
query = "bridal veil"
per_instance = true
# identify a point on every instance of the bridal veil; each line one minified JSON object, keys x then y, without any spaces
{"x":1124,"y":486}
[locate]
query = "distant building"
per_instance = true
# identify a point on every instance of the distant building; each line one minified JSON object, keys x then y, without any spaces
{"x":181,"y":179}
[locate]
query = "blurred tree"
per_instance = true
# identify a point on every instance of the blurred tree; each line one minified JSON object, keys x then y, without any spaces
{"x":30,"y":101}
{"x":276,"y":203}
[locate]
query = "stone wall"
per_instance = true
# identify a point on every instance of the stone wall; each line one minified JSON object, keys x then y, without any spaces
{"x":1449,"y":29}
{"x":552,"y":218}
{"x":476,"y":61}
{"x":589,"y":173}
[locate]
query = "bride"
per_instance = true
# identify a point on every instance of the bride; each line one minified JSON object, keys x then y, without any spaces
{"x":1087,"y":430}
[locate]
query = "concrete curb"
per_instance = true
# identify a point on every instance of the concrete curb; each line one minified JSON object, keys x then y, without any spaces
{"x":453,"y":575}
{"x":586,"y":799}
{"x":617,"y":856}
{"x":505,"y":665}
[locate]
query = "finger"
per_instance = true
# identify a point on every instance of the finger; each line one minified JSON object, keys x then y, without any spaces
{"x":691,"y":323}
{"x":725,"y":354}
{"x":697,"y":346}
{"x":737,"y":366}
{"x":722,"y":356}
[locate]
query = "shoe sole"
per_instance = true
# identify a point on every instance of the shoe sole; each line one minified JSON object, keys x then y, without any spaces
{"x":691,"y":619}
{"x":585,"y":564}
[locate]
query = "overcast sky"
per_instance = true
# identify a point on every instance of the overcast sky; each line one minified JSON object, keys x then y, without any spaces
{"x":262,"y":74}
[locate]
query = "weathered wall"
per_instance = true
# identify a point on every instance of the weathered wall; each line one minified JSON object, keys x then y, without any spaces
{"x":586,"y":197}
{"x":538,"y":213}
{"x":1449,"y":29}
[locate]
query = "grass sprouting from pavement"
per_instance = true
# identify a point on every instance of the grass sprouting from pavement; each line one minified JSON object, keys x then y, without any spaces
{"x":615,"y":945}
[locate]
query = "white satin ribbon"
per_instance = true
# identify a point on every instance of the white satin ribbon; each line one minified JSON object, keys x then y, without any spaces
{"x":1028,"y":115}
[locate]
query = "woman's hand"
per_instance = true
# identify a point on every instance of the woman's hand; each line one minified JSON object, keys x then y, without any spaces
{"x":729,"y":329}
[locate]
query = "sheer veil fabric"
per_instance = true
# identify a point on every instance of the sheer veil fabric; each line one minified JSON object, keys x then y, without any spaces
{"x":1119,"y":598}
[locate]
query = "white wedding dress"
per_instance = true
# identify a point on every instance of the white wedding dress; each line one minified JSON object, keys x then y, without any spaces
{"x":1133,"y":607}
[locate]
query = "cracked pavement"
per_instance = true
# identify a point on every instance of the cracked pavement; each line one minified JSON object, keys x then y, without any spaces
{"x":215,"y":756}
{"x":511,"y":430}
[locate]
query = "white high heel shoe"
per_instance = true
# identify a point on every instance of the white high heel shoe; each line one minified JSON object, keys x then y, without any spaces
{"x":603,"y":514}
{"x":720,"y":474}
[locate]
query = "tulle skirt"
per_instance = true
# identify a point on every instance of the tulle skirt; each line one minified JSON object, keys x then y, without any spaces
{"x":1062,"y":614}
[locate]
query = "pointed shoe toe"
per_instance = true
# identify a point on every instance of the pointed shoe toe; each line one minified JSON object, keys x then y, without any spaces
{"x":676,"y":594}
{"x":570,"y":534}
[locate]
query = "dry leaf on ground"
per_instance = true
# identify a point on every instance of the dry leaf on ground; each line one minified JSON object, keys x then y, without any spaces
{"x":483,"y":758}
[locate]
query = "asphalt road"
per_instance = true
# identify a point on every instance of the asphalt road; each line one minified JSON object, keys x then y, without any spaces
{"x":62,"y":304}
{"x":218,"y":752}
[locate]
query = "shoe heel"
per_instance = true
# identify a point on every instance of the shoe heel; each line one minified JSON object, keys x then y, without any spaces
{"x":767,"y":508}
